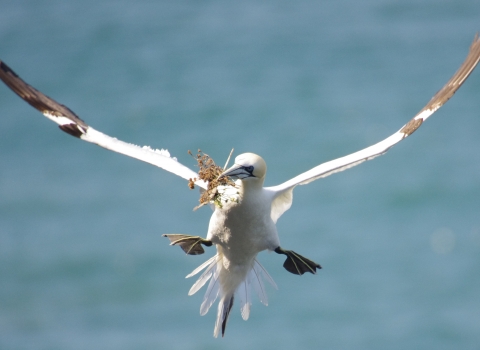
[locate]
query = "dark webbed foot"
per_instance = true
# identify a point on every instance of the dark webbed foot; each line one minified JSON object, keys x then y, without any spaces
{"x":297,"y":264}
{"x":191,"y":245}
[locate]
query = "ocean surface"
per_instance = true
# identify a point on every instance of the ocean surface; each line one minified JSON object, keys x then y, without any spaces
{"x":83,"y":264}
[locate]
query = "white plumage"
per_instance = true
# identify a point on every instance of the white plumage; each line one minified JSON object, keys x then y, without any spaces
{"x":245,"y":225}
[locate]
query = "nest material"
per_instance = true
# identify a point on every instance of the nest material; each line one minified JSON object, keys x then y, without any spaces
{"x":209,"y":172}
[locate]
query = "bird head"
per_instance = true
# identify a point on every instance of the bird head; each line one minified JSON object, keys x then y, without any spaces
{"x":247,"y":166}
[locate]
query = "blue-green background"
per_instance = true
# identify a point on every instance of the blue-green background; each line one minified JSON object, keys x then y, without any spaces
{"x":82,"y":261}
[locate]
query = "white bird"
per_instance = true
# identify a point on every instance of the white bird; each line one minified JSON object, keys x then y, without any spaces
{"x":245,"y":222}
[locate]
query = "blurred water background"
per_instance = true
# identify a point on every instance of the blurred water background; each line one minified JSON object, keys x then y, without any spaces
{"x":82,"y":261}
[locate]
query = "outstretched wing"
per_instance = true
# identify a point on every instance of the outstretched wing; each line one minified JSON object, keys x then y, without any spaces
{"x":283,"y":192}
{"x":69,"y":122}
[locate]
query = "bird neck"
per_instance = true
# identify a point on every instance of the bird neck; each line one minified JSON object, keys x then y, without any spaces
{"x":250,"y":187}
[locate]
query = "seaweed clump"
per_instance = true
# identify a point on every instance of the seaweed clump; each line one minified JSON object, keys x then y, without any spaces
{"x":210,"y":172}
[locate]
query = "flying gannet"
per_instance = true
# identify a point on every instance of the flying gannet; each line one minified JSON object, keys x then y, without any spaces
{"x":244,"y":222}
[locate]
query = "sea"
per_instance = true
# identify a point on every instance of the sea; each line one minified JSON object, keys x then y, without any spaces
{"x":83,"y":264}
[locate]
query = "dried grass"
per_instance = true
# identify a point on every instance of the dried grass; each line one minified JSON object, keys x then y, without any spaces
{"x":209,"y":172}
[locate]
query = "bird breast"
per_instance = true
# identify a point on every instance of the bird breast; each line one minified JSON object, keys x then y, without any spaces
{"x":244,"y":228}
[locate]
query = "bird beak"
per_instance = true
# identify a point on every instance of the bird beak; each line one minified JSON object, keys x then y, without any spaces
{"x":236,"y":172}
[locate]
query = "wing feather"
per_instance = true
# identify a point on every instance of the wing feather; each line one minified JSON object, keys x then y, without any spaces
{"x":283,"y":193}
{"x":69,"y":122}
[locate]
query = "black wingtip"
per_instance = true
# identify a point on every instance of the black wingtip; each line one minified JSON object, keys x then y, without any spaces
{"x":42,"y":102}
{"x":72,"y":129}
{"x":7,"y":69}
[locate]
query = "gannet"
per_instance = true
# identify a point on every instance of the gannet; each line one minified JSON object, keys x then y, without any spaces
{"x":244,"y":223}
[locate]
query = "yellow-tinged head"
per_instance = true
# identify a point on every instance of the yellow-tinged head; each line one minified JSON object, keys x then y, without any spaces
{"x":247,"y":166}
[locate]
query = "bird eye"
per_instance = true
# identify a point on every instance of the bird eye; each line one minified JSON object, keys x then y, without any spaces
{"x":249,"y":169}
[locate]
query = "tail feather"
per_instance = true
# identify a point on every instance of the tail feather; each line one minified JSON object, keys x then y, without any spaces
{"x":209,"y":272}
{"x":213,"y":267}
{"x":224,"y":307}
{"x":264,"y":273}
{"x":204,"y":265}
{"x":243,"y":291}
{"x":211,"y":294}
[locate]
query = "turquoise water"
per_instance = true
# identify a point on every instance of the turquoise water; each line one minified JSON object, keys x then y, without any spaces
{"x":82,"y":261}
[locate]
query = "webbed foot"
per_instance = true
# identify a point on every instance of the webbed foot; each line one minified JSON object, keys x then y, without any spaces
{"x":297,"y":264}
{"x":191,"y":245}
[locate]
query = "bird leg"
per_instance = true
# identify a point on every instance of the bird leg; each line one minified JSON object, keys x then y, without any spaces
{"x":297,"y":264}
{"x":191,"y":245}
